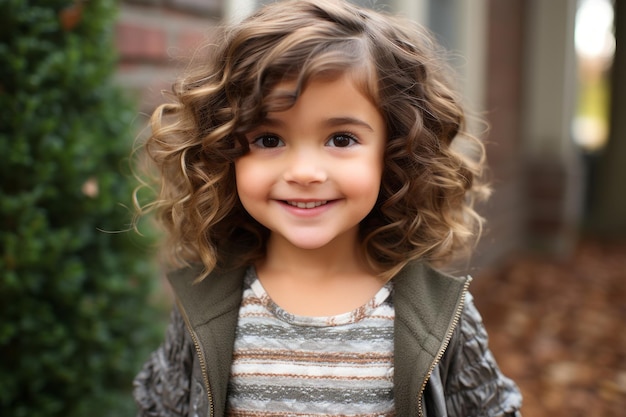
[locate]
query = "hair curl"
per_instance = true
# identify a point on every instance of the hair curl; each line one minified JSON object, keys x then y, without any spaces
{"x":425,"y":206}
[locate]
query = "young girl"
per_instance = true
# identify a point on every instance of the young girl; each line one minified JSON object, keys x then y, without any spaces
{"x":310,"y":175}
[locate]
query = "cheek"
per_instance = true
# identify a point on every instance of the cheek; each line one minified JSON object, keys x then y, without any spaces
{"x":363,"y":179}
{"x":241,"y":179}
{"x":249,"y":178}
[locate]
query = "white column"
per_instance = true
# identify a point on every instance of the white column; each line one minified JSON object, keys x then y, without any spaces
{"x":416,"y":10}
{"x":551,"y":77}
{"x":237,"y":10}
{"x":472,"y":45}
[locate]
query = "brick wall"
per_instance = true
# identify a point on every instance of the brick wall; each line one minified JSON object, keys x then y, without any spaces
{"x":154,"y":39}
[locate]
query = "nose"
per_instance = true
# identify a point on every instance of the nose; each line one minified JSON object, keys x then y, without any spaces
{"x":305,"y":167}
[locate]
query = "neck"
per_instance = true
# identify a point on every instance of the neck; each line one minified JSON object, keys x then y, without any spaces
{"x":317,"y":282}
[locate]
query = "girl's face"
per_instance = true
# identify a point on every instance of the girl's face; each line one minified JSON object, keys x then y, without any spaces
{"x":314,"y":171}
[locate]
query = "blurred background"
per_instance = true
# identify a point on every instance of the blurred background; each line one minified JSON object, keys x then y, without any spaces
{"x":550,"y":271}
{"x":549,"y":77}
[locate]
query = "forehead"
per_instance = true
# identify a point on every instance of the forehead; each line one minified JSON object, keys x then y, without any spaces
{"x":362,"y":79}
{"x":327,"y":103}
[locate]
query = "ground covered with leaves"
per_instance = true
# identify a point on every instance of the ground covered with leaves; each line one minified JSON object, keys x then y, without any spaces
{"x":557,"y":327}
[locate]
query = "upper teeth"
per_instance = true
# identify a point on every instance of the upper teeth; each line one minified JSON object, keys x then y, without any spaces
{"x":308,"y":205}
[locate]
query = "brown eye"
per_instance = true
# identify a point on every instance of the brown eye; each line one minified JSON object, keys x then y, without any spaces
{"x":268,"y":141}
{"x":342,"y":140}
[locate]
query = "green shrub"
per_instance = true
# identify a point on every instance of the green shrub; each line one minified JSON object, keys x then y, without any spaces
{"x":75,"y":321}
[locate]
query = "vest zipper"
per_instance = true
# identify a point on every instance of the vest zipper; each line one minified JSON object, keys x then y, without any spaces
{"x":444,"y":345}
{"x":203,"y":367}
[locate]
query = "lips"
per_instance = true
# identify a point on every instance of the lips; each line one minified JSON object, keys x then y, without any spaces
{"x":306,"y":204}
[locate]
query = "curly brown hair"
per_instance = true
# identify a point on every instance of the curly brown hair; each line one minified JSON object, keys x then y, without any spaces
{"x":425,"y":206}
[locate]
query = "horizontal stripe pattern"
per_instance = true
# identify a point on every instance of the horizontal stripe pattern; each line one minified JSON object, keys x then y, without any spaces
{"x":287,"y":365}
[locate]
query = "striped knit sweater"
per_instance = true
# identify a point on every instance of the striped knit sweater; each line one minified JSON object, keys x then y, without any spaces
{"x":287,"y":365}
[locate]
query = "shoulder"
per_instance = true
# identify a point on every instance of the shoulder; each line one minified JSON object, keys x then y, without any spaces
{"x":201,"y":296}
{"x":422,"y":277}
{"x":429,"y":294}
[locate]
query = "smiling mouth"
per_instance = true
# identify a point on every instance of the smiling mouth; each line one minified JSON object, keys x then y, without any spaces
{"x":306,"y":205}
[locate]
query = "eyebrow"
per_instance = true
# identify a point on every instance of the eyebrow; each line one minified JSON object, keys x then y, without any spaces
{"x":332,"y":122}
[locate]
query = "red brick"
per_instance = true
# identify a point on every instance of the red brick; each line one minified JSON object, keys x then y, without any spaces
{"x":189,"y":40}
{"x":136,"y":42}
